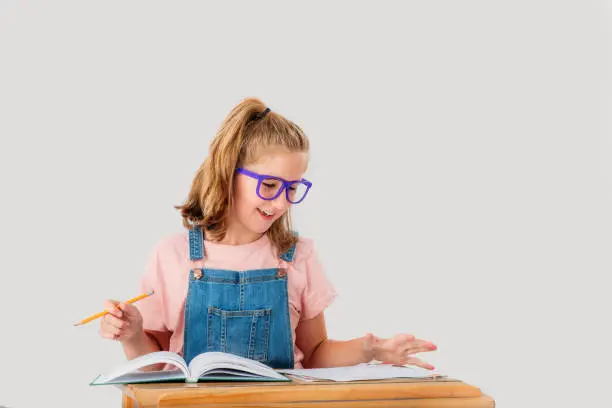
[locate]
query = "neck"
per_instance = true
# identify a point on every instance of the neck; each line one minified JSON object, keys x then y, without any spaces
{"x":237,"y":235}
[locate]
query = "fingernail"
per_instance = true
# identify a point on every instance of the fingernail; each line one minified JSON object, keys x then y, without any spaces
{"x":432,"y":346}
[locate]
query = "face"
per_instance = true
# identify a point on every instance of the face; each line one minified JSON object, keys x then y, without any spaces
{"x":252,"y":214}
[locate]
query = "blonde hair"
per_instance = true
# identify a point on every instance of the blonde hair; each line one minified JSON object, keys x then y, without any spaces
{"x":238,"y":142}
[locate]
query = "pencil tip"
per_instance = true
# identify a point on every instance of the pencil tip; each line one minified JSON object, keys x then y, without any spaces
{"x":77,"y":324}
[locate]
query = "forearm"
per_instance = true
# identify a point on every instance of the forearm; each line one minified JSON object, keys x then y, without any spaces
{"x":139,"y":345}
{"x":333,"y":353}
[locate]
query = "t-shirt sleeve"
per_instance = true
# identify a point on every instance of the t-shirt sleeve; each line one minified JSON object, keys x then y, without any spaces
{"x":319,"y":292}
{"x":152,"y":308}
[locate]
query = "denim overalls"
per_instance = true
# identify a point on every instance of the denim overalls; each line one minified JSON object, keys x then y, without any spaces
{"x":238,"y":312}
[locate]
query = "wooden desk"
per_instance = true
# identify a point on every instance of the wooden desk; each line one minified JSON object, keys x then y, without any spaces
{"x":435,"y":393}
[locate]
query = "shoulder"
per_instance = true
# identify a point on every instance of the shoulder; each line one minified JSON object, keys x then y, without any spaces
{"x":310,"y":280}
{"x":306,"y":260}
{"x":304,"y":250}
{"x":171,"y":248}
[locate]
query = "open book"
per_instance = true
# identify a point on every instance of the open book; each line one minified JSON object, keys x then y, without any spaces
{"x":210,"y":366}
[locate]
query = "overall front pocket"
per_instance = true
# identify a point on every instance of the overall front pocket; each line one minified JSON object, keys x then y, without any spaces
{"x":242,"y":332}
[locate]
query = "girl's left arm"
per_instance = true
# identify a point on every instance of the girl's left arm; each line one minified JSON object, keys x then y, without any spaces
{"x":319,"y":351}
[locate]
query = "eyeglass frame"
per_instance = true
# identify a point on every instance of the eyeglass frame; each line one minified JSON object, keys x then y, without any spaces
{"x":285,"y":184}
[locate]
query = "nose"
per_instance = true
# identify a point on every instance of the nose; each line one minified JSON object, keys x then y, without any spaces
{"x":280,"y":203}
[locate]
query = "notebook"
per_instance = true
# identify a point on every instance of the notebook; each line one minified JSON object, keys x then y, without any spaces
{"x":209,"y":366}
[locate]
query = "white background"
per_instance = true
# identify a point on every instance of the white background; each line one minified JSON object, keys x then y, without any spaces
{"x":461,"y":160}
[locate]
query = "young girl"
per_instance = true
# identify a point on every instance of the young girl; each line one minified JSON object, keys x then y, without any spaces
{"x":238,"y":280}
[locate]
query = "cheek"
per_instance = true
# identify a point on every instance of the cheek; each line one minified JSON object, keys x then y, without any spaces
{"x":246,"y":198}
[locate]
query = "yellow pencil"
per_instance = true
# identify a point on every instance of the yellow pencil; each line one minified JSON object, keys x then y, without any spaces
{"x":97,"y":315}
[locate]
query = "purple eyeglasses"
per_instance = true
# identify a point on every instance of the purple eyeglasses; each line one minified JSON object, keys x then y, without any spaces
{"x":270,"y":187}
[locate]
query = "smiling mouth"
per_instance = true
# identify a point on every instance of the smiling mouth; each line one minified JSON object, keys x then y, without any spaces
{"x":266,"y":213}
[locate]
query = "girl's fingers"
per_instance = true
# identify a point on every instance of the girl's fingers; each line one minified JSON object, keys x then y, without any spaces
{"x":418,"y":346}
{"x":399,"y":341}
{"x":109,"y":332}
{"x":107,"y":335}
{"x":115,"y":330}
{"x":128,"y":309}
{"x":418,"y":362}
{"x":401,"y":348}
{"x":111,"y":307}
{"x":404,"y":338}
{"x":114,"y":322}
{"x":407,"y":344}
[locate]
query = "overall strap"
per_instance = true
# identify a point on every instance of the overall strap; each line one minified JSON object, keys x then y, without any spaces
{"x":196,"y":247}
{"x":290,"y":253}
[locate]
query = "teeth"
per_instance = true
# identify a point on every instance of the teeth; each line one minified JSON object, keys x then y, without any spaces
{"x":266,"y":212}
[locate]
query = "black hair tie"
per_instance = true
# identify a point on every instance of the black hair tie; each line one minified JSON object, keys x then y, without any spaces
{"x":260,"y":115}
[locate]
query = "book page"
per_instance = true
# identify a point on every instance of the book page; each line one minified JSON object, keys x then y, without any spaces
{"x":205,"y":362}
{"x":142,"y":377}
{"x":228,"y":372}
{"x":362,"y":372}
{"x":134,"y":365}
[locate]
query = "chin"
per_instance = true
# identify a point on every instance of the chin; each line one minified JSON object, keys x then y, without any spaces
{"x":261,"y":228}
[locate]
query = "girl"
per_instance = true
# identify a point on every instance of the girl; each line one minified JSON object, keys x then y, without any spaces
{"x":239,"y":280}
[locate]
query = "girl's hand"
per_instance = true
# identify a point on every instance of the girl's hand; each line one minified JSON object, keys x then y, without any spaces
{"x":123,"y":322}
{"x":398,"y":349}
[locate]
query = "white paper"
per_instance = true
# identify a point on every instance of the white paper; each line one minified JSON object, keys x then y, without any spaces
{"x":362,"y":372}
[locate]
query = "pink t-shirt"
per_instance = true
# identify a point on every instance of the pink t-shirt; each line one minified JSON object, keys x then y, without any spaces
{"x":310,"y":292}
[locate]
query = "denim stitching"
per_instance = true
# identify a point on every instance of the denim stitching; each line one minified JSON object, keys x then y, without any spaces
{"x":223,"y":333}
{"x":252,"y":336}
{"x":186,"y":319}
{"x":195,"y":244}
{"x":209,"y":340}
{"x":266,"y":336}
{"x":289,"y":331}
{"x":241,"y":305}
{"x":258,"y":279}
{"x":238,"y":313}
